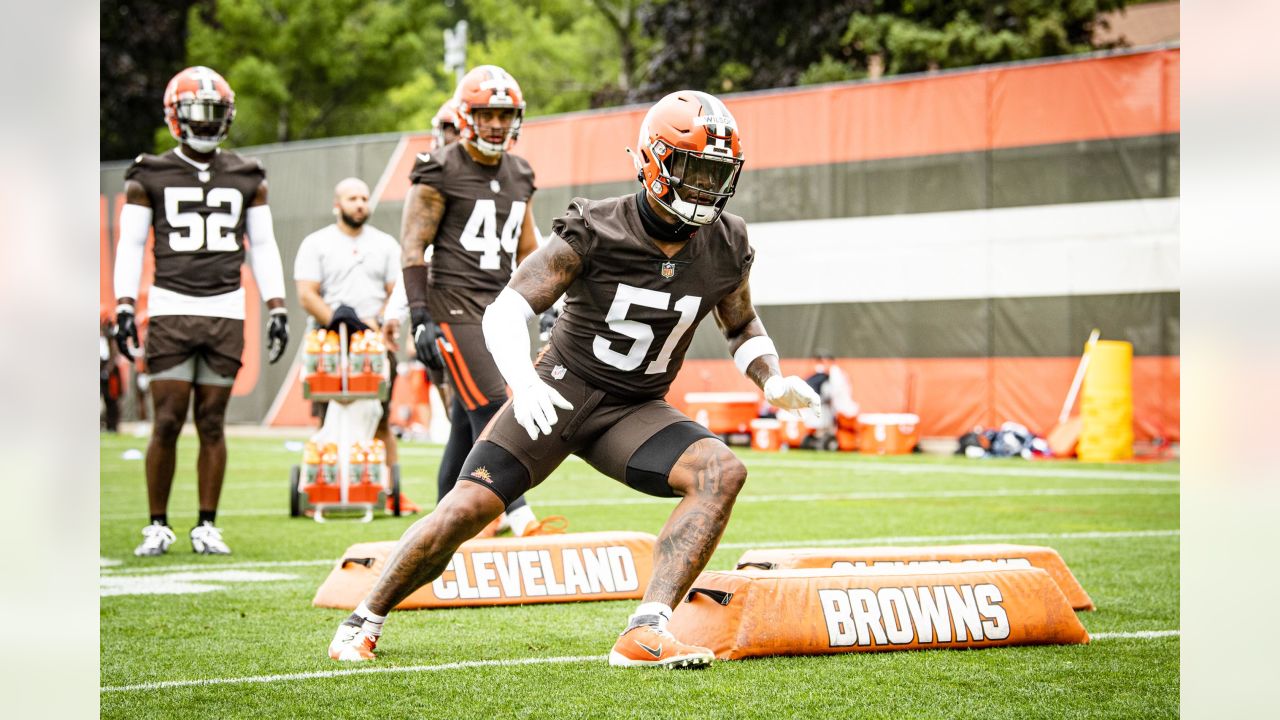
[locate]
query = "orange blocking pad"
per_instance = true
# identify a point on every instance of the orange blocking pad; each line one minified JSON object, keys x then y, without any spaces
{"x":507,"y":571}
{"x":946,"y":557}
{"x":757,"y":613}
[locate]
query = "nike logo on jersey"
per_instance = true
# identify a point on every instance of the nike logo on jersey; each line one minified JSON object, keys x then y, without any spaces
{"x":655,"y":653}
{"x":424,"y":157}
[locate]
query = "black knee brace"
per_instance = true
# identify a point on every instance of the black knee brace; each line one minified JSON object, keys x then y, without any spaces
{"x":651,"y":463}
{"x":493,"y":467}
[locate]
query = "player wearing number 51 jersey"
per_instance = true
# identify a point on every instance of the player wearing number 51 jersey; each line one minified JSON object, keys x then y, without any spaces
{"x":201,"y":202}
{"x":638,"y":274}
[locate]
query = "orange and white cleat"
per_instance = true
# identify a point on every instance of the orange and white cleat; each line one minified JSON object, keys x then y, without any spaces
{"x":352,"y":644}
{"x":550,"y":525}
{"x":647,"y":646}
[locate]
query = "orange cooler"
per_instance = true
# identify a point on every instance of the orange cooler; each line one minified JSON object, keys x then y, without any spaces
{"x":766,"y":434}
{"x":723,"y":412}
{"x":887,"y":433}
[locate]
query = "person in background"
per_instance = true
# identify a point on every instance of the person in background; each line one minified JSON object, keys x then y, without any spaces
{"x":201,"y":202}
{"x":344,"y":273}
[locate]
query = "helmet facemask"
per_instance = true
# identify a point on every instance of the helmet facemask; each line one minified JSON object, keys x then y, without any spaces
{"x":486,"y":147}
{"x":700,"y":183}
{"x":204,"y":122}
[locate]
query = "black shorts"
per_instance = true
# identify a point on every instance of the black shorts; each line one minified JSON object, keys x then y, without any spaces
{"x":635,"y":442}
{"x":172,"y":339}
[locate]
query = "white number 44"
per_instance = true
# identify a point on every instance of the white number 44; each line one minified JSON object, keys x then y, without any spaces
{"x":479,"y":235}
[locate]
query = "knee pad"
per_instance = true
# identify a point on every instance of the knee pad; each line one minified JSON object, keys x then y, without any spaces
{"x":651,"y":463}
{"x":493,"y":467}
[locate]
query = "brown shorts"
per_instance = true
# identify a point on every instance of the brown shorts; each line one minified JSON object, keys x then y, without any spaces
{"x":633,"y":442}
{"x":172,"y":339}
{"x":472,"y":372}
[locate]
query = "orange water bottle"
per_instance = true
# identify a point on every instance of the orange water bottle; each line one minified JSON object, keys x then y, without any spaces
{"x":311,"y":460}
{"x":311,"y":354}
{"x":329,"y":463}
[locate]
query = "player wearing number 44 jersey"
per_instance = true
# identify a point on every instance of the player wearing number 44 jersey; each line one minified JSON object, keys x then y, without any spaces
{"x":200,"y":201}
{"x":471,"y":202}
{"x":640,"y":272}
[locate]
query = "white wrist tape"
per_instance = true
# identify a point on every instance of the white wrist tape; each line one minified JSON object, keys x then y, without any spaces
{"x":752,"y":349}
{"x":135,"y":223}
{"x":506,"y":335}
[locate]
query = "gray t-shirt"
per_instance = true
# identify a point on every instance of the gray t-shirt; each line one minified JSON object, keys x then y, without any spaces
{"x":352,"y":271}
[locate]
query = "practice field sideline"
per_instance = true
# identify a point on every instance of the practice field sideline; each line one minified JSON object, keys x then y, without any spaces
{"x":247,"y":643}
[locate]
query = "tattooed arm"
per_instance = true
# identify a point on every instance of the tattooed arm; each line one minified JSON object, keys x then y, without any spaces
{"x":547,"y":274}
{"x":754,"y":353}
{"x":737,"y":319}
{"x":422,"y":212}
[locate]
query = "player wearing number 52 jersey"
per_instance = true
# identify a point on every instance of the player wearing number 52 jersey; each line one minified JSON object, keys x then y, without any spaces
{"x":201,"y":202}
{"x":471,"y":202}
{"x":638,"y":273}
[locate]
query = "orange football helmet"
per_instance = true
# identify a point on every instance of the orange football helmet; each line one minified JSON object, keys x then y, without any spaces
{"x":689,"y":155}
{"x":488,"y":86}
{"x":199,"y":106}
{"x":446,"y":116}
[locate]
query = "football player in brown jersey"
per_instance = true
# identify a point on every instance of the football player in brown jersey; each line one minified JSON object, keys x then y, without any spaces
{"x":201,"y":201}
{"x":640,"y":272}
{"x":471,"y":202}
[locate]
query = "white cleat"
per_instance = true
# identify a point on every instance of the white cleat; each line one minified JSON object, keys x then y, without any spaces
{"x":352,"y":644}
{"x":156,"y":540}
{"x":207,"y":540}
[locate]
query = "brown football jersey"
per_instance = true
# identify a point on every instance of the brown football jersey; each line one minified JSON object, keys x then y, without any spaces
{"x":198,"y":217}
{"x":476,"y":241}
{"x":630,"y":314}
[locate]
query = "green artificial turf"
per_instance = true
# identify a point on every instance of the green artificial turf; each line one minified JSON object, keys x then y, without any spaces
{"x":1115,"y":525}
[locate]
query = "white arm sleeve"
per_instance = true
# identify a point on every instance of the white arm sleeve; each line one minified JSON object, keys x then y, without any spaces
{"x":264,"y":256}
{"x":135,"y":221}
{"x":506,"y":334}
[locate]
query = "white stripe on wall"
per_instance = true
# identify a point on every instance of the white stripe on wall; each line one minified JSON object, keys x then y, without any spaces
{"x":1084,"y":248}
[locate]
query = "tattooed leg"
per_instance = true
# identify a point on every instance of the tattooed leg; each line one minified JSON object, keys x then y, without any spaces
{"x":708,"y":476}
{"x":427,"y":546}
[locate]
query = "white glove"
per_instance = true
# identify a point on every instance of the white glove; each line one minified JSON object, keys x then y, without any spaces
{"x":791,"y":393}
{"x":535,"y":407}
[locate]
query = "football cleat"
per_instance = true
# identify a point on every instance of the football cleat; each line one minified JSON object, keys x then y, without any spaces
{"x":550,"y":525}
{"x":207,"y":540}
{"x":156,"y":540}
{"x":352,"y":644}
{"x":648,"y":646}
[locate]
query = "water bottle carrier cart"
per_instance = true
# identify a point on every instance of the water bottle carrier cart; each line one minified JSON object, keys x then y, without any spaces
{"x":350,"y":487}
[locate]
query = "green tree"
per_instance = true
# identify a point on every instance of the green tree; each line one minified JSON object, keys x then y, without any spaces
{"x":918,"y":35}
{"x":138,"y":53}
{"x":317,"y":68}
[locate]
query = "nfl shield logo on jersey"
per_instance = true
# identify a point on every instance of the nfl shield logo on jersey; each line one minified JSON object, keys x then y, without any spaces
{"x":558,"y":372}
{"x":668,"y":270}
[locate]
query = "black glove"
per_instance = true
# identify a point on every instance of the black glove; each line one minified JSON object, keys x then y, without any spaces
{"x":125,"y":330}
{"x":277,"y":336}
{"x":425,"y":333}
{"x":346,"y":315}
{"x":546,"y":322}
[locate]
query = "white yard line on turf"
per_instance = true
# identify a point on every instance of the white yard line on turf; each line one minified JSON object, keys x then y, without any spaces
{"x":950,"y":469}
{"x":1096,"y":535}
{"x":167,"y":684}
{"x":1139,"y":635}
{"x":351,"y":671}
{"x":790,"y":497}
